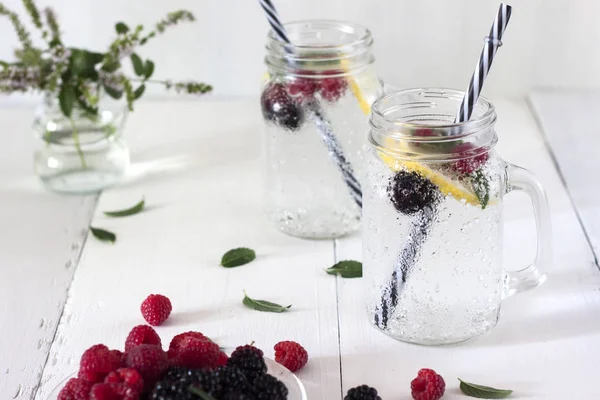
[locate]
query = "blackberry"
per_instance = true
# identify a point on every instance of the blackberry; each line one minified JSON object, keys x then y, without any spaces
{"x":278,"y":106}
{"x":235,"y":396}
{"x":411,"y":192}
{"x":231,"y":379}
{"x":249,"y":360}
{"x":176,"y":382}
{"x":363,"y":392}
{"x":267,"y":387}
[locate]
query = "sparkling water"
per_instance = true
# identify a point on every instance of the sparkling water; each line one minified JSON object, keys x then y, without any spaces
{"x":306,"y":193}
{"x":454,"y":284}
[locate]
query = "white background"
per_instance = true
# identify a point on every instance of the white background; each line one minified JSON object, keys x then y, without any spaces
{"x":425,"y":42}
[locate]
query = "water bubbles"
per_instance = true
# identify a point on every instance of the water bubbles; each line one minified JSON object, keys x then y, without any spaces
{"x":476,"y":221}
{"x":41,"y":323}
{"x":18,"y":392}
{"x":480,"y":278}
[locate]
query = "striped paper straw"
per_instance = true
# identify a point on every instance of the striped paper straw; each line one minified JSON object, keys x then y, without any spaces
{"x":492,"y":43}
{"x":324,"y":127}
{"x":419,"y":231}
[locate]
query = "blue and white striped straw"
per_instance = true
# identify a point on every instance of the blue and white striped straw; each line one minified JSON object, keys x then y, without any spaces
{"x":492,"y":43}
{"x":324,"y":127}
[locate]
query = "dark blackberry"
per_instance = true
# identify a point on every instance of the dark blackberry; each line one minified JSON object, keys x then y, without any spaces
{"x":278,"y":106}
{"x":267,"y":387}
{"x":176,"y":382}
{"x":363,"y":392}
{"x":411,"y":192}
{"x":249,"y":360}
{"x":231,"y":379}
{"x":235,"y":396}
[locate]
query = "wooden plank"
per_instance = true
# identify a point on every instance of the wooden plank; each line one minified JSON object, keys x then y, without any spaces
{"x":196,"y":166}
{"x":41,"y":237}
{"x":569,"y":123}
{"x":547,"y":340}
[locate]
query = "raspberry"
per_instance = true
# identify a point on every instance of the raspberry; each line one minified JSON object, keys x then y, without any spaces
{"x":363,"y":392}
{"x":104,"y":391}
{"x":119,"y":354}
{"x":156,"y":309}
{"x":75,"y":389}
{"x":470,"y":161}
{"x":249,"y":360}
{"x":332,"y":89}
{"x":411,"y":192}
{"x":142,"y":334}
{"x":279,"y":107}
{"x":196,"y":353}
{"x":304,"y":88}
{"x":291,"y":355}
{"x":268,"y":387}
{"x":222,"y":360}
{"x":428,"y":385}
{"x":96,"y":362}
{"x":177,"y":339}
{"x":129,"y":379}
{"x":149,"y":360}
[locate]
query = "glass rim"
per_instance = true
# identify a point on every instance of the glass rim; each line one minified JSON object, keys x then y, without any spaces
{"x":332,"y":24}
{"x":383,"y":124}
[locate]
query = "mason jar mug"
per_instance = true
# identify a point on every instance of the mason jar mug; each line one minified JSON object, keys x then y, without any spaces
{"x":432,"y":219}
{"x":315,"y":102}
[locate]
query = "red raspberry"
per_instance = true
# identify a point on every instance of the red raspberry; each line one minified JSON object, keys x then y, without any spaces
{"x":142,"y":334}
{"x":196,"y":353}
{"x":96,"y":362}
{"x":305,"y":88}
{"x":428,"y":385}
{"x":291,"y":355}
{"x":119,"y":354}
{"x":149,"y":360}
{"x":222,"y":360}
{"x":104,"y":391}
{"x":177,"y":339}
{"x":470,"y":161}
{"x":75,"y":389}
{"x":129,"y":378}
{"x":332,"y":89}
{"x":156,"y":309}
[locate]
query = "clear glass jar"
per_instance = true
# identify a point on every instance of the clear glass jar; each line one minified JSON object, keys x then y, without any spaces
{"x":315,"y":104}
{"x":81,"y":155}
{"x":432,"y":239}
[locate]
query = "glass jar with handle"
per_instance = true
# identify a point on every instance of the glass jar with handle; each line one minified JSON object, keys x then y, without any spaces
{"x":432,"y":239}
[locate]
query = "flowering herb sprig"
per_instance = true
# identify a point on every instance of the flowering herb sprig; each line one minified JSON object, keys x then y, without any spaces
{"x":80,"y":77}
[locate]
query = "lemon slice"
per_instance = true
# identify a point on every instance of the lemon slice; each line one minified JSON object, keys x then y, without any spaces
{"x":356,"y":90}
{"x":446,"y":185}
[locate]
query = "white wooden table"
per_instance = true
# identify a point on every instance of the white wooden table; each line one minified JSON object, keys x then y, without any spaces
{"x":197,"y":165}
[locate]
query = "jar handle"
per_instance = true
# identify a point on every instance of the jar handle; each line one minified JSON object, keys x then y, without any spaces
{"x":529,"y":277}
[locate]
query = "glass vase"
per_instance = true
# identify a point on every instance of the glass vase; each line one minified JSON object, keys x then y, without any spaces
{"x":84,"y":153}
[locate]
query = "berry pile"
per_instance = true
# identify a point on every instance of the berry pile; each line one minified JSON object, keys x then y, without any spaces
{"x":193,"y":367}
{"x":193,"y":364}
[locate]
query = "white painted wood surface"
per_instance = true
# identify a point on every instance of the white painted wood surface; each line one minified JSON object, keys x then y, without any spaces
{"x":570,"y":123}
{"x":41,"y":237}
{"x":197,"y":165}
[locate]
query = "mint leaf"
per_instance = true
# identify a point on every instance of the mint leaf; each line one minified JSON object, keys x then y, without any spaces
{"x":66,"y":99}
{"x":138,"y":65}
{"x":346,"y":269}
{"x":237,"y":257}
{"x":121,"y":28}
{"x":126,"y":212}
{"x":103,"y":235}
{"x":263,"y":305}
{"x":483,"y":392}
{"x":200,"y":393}
{"x":149,"y":69}
{"x":139,"y":92}
{"x":481,"y":187}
